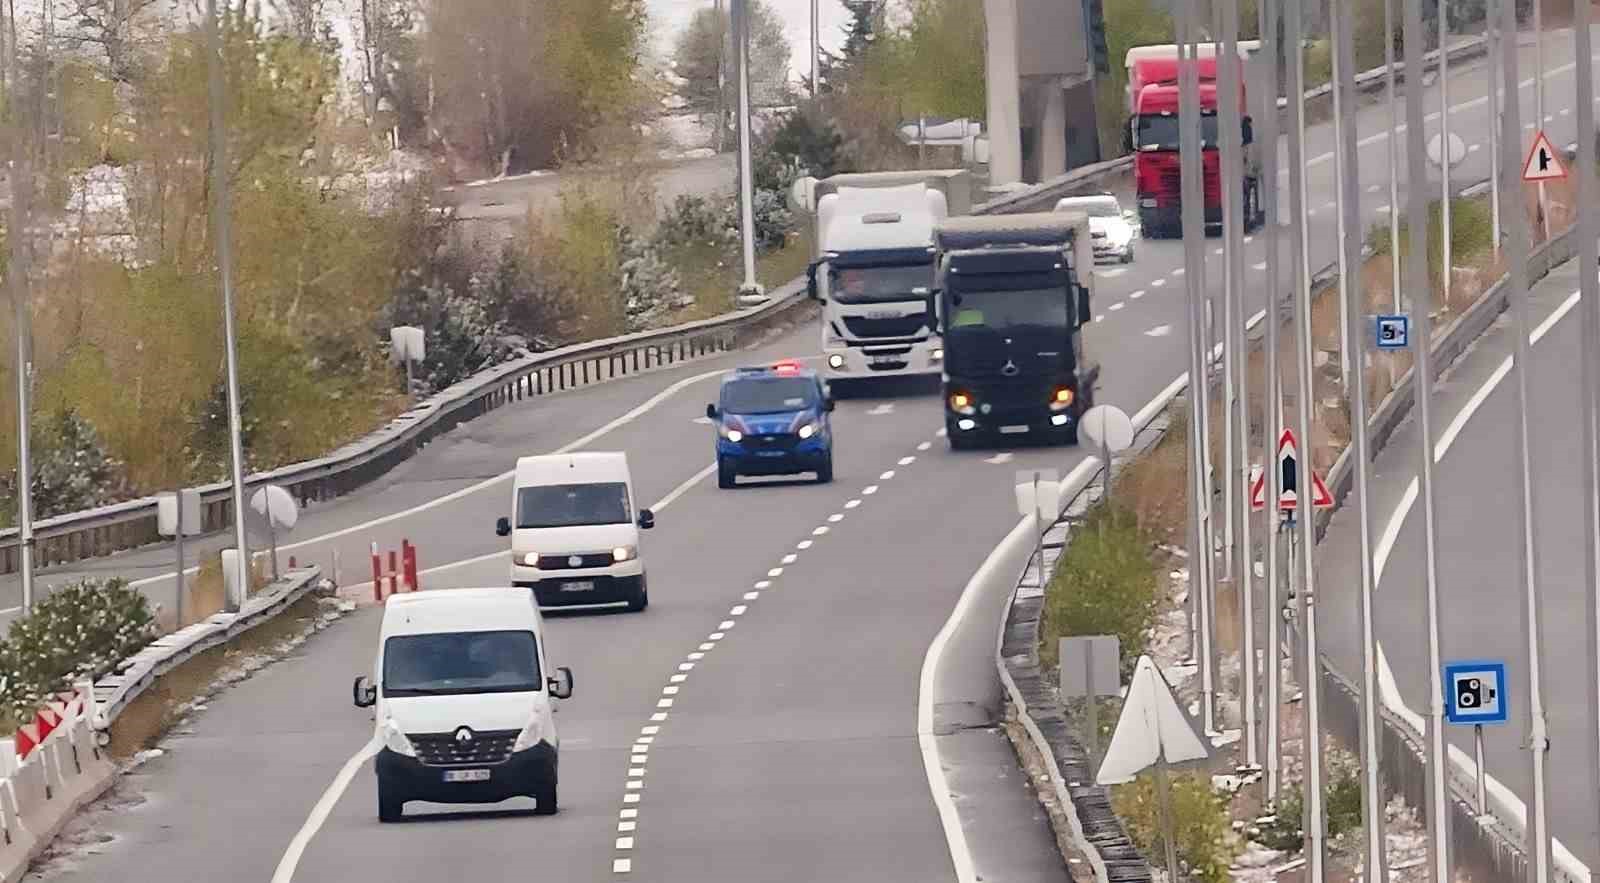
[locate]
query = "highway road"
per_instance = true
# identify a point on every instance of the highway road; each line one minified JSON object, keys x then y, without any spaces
{"x":1480,"y":585}
{"x":799,"y":617}
{"x":510,"y":199}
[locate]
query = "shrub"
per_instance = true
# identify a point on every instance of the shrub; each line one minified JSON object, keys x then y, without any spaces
{"x":81,"y":630}
{"x":1341,"y":803}
{"x":1203,"y":833}
{"x":1105,"y":584}
{"x":651,"y":287}
{"x":73,"y":471}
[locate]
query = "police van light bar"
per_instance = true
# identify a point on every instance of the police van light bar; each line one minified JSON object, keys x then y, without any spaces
{"x":787,"y":366}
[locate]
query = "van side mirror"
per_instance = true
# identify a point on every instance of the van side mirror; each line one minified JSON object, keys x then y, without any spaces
{"x":561,"y":685}
{"x":711,"y":412}
{"x":363,"y":694}
{"x":827,"y":405}
{"x":1083,"y":305}
{"x":502,"y":527}
{"x":1248,"y":131}
{"x":647,"y":519}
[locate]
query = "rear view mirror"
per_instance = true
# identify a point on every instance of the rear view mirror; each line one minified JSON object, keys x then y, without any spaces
{"x":827,"y":405}
{"x":561,"y":685}
{"x":811,"y":281}
{"x":363,"y":694}
{"x":1127,"y":136}
{"x":647,"y":519}
{"x":1248,"y":130}
{"x":502,"y":527}
{"x":1083,"y":305}
{"x":711,"y":412}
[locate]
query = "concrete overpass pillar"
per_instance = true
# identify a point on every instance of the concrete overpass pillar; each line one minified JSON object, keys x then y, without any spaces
{"x":1053,"y":132}
{"x":1004,"y":93}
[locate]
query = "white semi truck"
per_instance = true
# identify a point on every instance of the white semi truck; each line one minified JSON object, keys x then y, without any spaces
{"x":873,"y":267}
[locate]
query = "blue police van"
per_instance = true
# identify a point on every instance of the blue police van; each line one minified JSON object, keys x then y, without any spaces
{"x":772,"y":421}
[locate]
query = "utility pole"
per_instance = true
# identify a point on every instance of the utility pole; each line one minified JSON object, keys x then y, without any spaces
{"x":749,"y":290}
{"x":220,"y":209}
{"x":724,"y":34}
{"x":1272,"y":419}
{"x":816,"y":50}
{"x":22,"y":125}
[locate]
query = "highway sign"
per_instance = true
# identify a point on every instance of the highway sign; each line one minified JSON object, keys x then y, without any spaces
{"x":1543,"y":162}
{"x":1475,"y":692}
{"x":1151,"y":728}
{"x":1393,"y":332}
{"x":1288,"y":500}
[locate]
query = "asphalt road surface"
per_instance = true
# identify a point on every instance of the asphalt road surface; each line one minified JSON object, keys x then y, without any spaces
{"x":790,"y":750}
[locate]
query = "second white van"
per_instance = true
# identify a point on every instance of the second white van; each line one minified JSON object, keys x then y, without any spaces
{"x":575,"y":532}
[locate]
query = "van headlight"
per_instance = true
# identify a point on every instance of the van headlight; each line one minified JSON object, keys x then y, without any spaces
{"x":732,"y":435}
{"x":624,"y":553}
{"x":531,"y":734}
{"x":528,"y":559}
{"x":808,"y":430}
{"x":396,"y":741}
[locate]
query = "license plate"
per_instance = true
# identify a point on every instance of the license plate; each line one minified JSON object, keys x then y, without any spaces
{"x":770,"y":453}
{"x":583,"y":586}
{"x":882,"y":360}
{"x":1014,"y":430}
{"x":466,"y":775}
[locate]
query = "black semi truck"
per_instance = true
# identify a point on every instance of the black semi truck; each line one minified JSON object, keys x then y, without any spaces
{"x":1013,"y":294}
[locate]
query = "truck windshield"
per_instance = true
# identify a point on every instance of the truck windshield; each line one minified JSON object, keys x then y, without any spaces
{"x":571,"y":505}
{"x":1160,"y":132}
{"x":860,"y":285}
{"x":1008,"y":310}
{"x":447,"y":663}
{"x":768,"y":395}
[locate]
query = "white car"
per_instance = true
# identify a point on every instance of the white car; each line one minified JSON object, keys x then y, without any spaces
{"x":574,"y":532}
{"x":1111,"y":230}
{"x":462,"y":698}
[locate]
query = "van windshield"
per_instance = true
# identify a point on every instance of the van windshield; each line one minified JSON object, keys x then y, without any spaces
{"x":769,"y":395}
{"x":572,"y":505}
{"x":449,"y":663}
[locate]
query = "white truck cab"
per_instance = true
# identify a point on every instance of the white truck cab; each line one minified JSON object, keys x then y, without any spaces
{"x":461,"y":692}
{"x":575,"y":533}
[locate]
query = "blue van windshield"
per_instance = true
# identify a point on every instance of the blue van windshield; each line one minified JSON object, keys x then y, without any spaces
{"x":769,"y":395}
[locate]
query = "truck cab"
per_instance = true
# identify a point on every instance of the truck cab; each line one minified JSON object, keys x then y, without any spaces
{"x":1014,"y":294}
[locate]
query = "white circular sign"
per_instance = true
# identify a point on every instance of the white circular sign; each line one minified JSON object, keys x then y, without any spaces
{"x":1458,"y":149}
{"x":279,"y":502}
{"x":1107,"y":427}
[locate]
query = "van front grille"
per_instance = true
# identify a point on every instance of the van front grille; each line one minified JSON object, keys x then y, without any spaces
{"x":449,"y":749}
{"x":586,"y":559}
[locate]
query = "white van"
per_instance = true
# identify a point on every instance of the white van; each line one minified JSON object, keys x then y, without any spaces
{"x":574,"y":533}
{"x":463,"y":694}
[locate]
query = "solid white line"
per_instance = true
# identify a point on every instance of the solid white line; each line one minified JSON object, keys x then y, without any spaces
{"x":320,"y":812}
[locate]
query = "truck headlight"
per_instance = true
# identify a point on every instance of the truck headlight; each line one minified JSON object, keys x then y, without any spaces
{"x":528,"y":559}
{"x":937,"y":355}
{"x":531,"y":734}
{"x":396,"y":741}
{"x":963,"y":403}
{"x":625,"y":553}
{"x":836,"y":361}
{"x":1061,"y":399}
{"x":808,"y":430}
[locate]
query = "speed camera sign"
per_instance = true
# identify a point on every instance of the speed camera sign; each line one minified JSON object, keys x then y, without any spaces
{"x":1475,"y":693}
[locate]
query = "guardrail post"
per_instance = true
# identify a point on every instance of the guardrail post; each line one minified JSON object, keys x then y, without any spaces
{"x":377,"y":574}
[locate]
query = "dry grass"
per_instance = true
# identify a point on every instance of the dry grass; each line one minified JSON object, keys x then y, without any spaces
{"x":155,"y":711}
{"x":204,"y":596}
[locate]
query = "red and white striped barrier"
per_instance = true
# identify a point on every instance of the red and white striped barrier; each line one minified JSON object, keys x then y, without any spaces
{"x":49,"y":770}
{"x":401,"y":574}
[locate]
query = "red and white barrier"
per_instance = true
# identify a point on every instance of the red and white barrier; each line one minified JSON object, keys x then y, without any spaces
{"x":48,"y":771}
{"x":401,"y":574}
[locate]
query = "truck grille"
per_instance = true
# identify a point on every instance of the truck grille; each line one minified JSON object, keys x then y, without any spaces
{"x":564,"y":562}
{"x":444,"y":749}
{"x":905,"y":326}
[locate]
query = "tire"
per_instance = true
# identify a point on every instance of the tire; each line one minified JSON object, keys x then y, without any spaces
{"x":726,"y":476}
{"x":825,"y":470}
{"x":545,"y":797}
{"x":391,"y":806}
{"x":641,"y":599}
{"x":960,"y":442}
{"x":1127,"y":256}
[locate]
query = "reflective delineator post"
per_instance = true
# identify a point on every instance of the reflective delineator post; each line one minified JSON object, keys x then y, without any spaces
{"x":377,"y":575}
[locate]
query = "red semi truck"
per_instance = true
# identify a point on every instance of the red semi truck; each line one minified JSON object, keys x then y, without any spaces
{"x":1152,"y":136}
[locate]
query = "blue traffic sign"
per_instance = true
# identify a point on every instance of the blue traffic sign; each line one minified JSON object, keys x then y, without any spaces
{"x":1394,"y":332}
{"x":1475,"y":692}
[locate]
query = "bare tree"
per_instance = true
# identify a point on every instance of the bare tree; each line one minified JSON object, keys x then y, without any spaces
{"x":304,"y":17}
{"x":110,"y":24}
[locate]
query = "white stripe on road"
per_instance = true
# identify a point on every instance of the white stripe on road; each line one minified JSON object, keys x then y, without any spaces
{"x":320,"y":812}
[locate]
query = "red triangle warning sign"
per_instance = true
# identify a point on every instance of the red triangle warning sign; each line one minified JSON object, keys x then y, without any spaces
{"x":1288,"y":499}
{"x":1543,"y":162}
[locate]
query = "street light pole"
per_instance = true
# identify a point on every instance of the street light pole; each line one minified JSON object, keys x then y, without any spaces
{"x":749,"y":289}
{"x":816,"y":50}
{"x":1272,"y":419}
{"x":23,"y":144}
{"x":220,"y":208}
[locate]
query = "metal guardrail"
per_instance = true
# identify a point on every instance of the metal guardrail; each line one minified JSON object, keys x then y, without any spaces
{"x":98,"y":532}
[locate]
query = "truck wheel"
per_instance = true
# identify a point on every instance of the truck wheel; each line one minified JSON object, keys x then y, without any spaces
{"x":391,"y":806}
{"x":960,"y":441}
{"x":545,"y":797}
{"x":726,"y":476}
